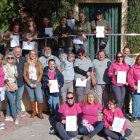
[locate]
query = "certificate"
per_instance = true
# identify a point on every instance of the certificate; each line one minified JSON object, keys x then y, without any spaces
{"x":54,"y":86}
{"x":100,"y":31}
{"x":28,"y":45}
{"x":2,"y":94}
{"x":71,"y":23}
{"x":81,"y":83}
{"x":138,"y":87}
{"x":78,"y":40}
{"x":14,"y":40}
{"x":49,"y":31}
{"x":118,"y":124}
{"x":121,"y":77}
{"x":71,"y":123}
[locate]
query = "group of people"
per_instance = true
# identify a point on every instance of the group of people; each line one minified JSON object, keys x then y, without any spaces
{"x":95,"y":85}
{"x":69,"y":35}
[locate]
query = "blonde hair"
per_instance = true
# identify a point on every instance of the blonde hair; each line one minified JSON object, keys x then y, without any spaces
{"x":28,"y":57}
{"x":85,"y":100}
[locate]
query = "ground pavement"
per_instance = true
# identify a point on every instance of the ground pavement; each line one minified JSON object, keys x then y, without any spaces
{"x":36,"y":129}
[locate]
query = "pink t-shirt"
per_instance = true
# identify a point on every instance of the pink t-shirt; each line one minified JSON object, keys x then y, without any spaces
{"x":65,"y":110}
{"x":51,"y":75}
{"x":90,"y":112}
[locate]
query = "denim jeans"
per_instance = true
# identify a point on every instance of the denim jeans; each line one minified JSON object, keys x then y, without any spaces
{"x":119,"y":92}
{"x":98,"y":126}
{"x":11,"y":105}
{"x":135,"y":104}
{"x":116,"y":135}
{"x":35,"y":93}
{"x":19,"y":94}
{"x":54,"y":103}
{"x":65,"y":135}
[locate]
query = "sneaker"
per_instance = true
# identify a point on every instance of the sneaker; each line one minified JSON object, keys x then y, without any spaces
{"x":52,"y":131}
{"x":109,"y":138}
{"x":16,"y":121}
{"x":1,"y":128}
{"x":133,"y":119}
{"x":8,"y":118}
{"x":2,"y":124}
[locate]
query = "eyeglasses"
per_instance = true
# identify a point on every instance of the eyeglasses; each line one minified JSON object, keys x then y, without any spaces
{"x":10,"y":57}
{"x":70,"y":98}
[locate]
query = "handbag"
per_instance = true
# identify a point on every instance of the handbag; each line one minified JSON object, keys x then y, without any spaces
{"x":14,"y":85}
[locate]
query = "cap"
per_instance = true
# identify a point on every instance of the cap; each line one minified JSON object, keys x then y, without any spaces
{"x":98,"y":12}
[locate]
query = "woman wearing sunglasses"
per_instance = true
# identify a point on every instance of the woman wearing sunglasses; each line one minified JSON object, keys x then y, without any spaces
{"x":69,"y":108}
{"x":11,"y":75}
{"x":118,"y":88}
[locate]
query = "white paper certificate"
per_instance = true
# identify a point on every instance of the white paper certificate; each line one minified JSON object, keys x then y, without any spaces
{"x":100,"y":31}
{"x":28,"y":45}
{"x":121,"y":77}
{"x":71,"y":23}
{"x":138,"y":87}
{"x":2,"y":94}
{"x":54,"y":86}
{"x":14,"y":40}
{"x":81,"y":83}
{"x":49,"y":31}
{"x":78,"y":40}
{"x":118,"y":124}
{"x":71,"y":123}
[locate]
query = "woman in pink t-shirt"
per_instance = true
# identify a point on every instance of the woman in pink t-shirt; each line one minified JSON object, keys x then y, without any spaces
{"x":109,"y":114}
{"x":69,"y":108}
{"x":90,"y":125}
{"x":118,"y":88}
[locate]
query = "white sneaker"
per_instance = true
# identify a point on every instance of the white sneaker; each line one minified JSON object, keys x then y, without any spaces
{"x":16,"y":121}
{"x":2,"y":124}
{"x":8,"y":118}
{"x":1,"y":128}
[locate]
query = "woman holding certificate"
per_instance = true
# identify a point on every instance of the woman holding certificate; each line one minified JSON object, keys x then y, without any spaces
{"x":83,"y":69}
{"x":114,"y":122}
{"x":52,"y":82}
{"x":118,"y":72}
{"x":69,"y":112}
{"x":90,"y":125}
{"x":29,"y":35}
{"x":134,"y":83}
{"x":32,"y":75}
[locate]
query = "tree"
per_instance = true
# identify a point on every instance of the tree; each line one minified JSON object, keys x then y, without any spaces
{"x":133,"y":21}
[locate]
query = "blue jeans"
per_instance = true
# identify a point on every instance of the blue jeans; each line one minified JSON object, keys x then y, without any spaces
{"x":65,"y":135}
{"x":35,"y":93}
{"x":19,"y":94}
{"x":98,"y":126}
{"x":54,"y":103}
{"x":11,"y":105}
{"x":116,"y":135}
{"x":119,"y":92}
{"x":135,"y":104}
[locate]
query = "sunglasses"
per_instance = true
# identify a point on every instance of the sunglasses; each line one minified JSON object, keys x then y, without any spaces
{"x":70,"y":98}
{"x":119,"y":56}
{"x":10,"y":57}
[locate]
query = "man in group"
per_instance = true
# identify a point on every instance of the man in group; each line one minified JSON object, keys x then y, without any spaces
{"x":47,"y":56}
{"x":103,"y":43}
{"x":130,"y":61}
{"x":81,"y":28}
{"x":20,"y":81}
{"x":100,"y":69}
